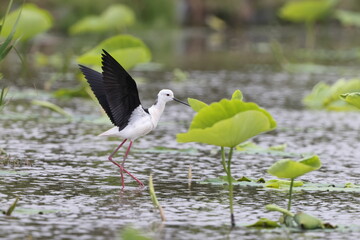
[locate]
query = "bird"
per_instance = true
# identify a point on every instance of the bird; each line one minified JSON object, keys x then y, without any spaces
{"x":118,"y":95}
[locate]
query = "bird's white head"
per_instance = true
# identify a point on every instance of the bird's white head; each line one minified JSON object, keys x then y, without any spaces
{"x":165,"y":95}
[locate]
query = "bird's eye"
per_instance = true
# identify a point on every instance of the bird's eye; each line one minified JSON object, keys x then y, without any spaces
{"x":167,"y":94}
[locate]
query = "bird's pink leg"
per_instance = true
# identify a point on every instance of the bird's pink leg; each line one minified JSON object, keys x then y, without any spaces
{"x":122,"y":169}
{"x":123,"y":162}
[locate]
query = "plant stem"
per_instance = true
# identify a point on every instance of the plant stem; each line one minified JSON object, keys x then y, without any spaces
{"x":223,"y":160}
{"x":231,"y":194}
{"x":290,"y":194}
{"x":227,"y":169}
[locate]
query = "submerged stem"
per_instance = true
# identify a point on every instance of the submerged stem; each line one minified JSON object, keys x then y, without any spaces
{"x":290,"y":194}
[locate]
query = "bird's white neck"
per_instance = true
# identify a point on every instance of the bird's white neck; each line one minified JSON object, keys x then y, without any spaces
{"x":155,"y":112}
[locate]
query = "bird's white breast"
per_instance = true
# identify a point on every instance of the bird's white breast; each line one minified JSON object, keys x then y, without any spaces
{"x":140,"y":124}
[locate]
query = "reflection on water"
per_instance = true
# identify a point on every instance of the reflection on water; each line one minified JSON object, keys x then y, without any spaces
{"x":78,"y":191}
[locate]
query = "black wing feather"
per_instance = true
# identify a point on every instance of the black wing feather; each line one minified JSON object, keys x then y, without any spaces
{"x":96,"y":83}
{"x":120,"y":89}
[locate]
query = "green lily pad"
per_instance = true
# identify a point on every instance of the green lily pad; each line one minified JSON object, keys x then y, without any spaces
{"x":287,"y":168}
{"x":32,"y":21}
{"x":126,"y":49}
{"x":228,"y":123}
{"x":264,"y":223}
{"x":249,"y":147}
{"x":277,"y":183}
{"x":352,"y":98}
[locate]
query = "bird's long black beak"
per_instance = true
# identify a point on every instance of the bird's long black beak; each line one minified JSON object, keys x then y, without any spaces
{"x":177,"y":100}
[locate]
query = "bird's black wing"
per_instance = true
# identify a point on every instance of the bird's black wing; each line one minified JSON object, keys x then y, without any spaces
{"x":96,"y":83}
{"x":120,"y":89}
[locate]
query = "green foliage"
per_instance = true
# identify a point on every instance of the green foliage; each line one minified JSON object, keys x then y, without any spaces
{"x":299,"y":220}
{"x":32,"y":21}
{"x":12,"y":207}
{"x":306,"y":11}
{"x":127,"y":50}
{"x":228,"y":123}
{"x":115,"y":17}
{"x":3,"y":93}
{"x":352,"y":98}
{"x":324,"y":96}
{"x":277,"y":183}
{"x":287,"y":168}
{"x":133,"y":234}
{"x":154,"y":199}
{"x":348,"y":18}
{"x":196,"y":105}
{"x":264,"y":223}
{"x":52,"y":107}
{"x":237,"y":95}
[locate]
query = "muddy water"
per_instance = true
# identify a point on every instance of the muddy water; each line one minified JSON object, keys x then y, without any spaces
{"x":68,"y":189}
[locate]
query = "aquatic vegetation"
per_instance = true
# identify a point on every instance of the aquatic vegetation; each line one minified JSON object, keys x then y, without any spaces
{"x":155,"y":200}
{"x":32,"y":21}
{"x":126,"y":49}
{"x":53,"y":107}
{"x":324,"y":96}
{"x":300,"y":220}
{"x":287,"y":168}
{"x":348,"y":18}
{"x":12,"y":207}
{"x":352,"y":98}
{"x":130,"y":233}
{"x":308,"y":12}
{"x":5,"y":48}
{"x":115,"y":17}
{"x":227,"y":123}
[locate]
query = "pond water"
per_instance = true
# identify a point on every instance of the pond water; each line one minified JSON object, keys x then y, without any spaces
{"x":69,"y":190}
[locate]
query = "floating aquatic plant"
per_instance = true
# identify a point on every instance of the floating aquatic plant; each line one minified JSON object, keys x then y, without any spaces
{"x":227,"y":123}
{"x":324,"y":96}
{"x":287,"y":168}
{"x":352,"y":98}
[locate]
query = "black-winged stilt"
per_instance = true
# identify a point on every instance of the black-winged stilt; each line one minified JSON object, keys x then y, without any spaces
{"x":117,"y":93}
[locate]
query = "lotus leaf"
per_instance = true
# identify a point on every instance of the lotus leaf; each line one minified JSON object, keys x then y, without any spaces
{"x":264,"y":223}
{"x":287,"y":168}
{"x":126,"y":49}
{"x":32,"y":21}
{"x":352,"y":98}
{"x":196,"y":105}
{"x":306,"y":10}
{"x":228,"y":123}
{"x":237,"y":95}
{"x":326,"y":96}
{"x":115,"y":17}
{"x":348,"y":18}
